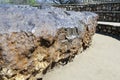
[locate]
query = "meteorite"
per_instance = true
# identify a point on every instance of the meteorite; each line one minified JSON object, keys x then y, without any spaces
{"x":34,"y":40}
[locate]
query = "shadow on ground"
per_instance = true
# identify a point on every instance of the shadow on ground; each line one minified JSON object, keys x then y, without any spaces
{"x":110,"y":35}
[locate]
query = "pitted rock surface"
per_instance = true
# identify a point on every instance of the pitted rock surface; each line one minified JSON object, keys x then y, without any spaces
{"x":34,"y":40}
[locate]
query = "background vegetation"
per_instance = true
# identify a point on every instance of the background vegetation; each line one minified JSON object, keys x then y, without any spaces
{"x":30,"y":2}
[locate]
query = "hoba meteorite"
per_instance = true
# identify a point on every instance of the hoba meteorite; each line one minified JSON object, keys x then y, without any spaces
{"x":34,"y":40}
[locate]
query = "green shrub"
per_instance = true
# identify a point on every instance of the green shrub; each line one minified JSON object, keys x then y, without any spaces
{"x":31,"y":2}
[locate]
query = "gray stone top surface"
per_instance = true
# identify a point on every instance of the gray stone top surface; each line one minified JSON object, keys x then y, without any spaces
{"x":16,"y":18}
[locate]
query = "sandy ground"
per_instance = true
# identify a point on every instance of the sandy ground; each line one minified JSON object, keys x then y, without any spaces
{"x":99,"y":62}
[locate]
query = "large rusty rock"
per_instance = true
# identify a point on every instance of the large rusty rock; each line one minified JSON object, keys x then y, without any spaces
{"x":33,"y":40}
